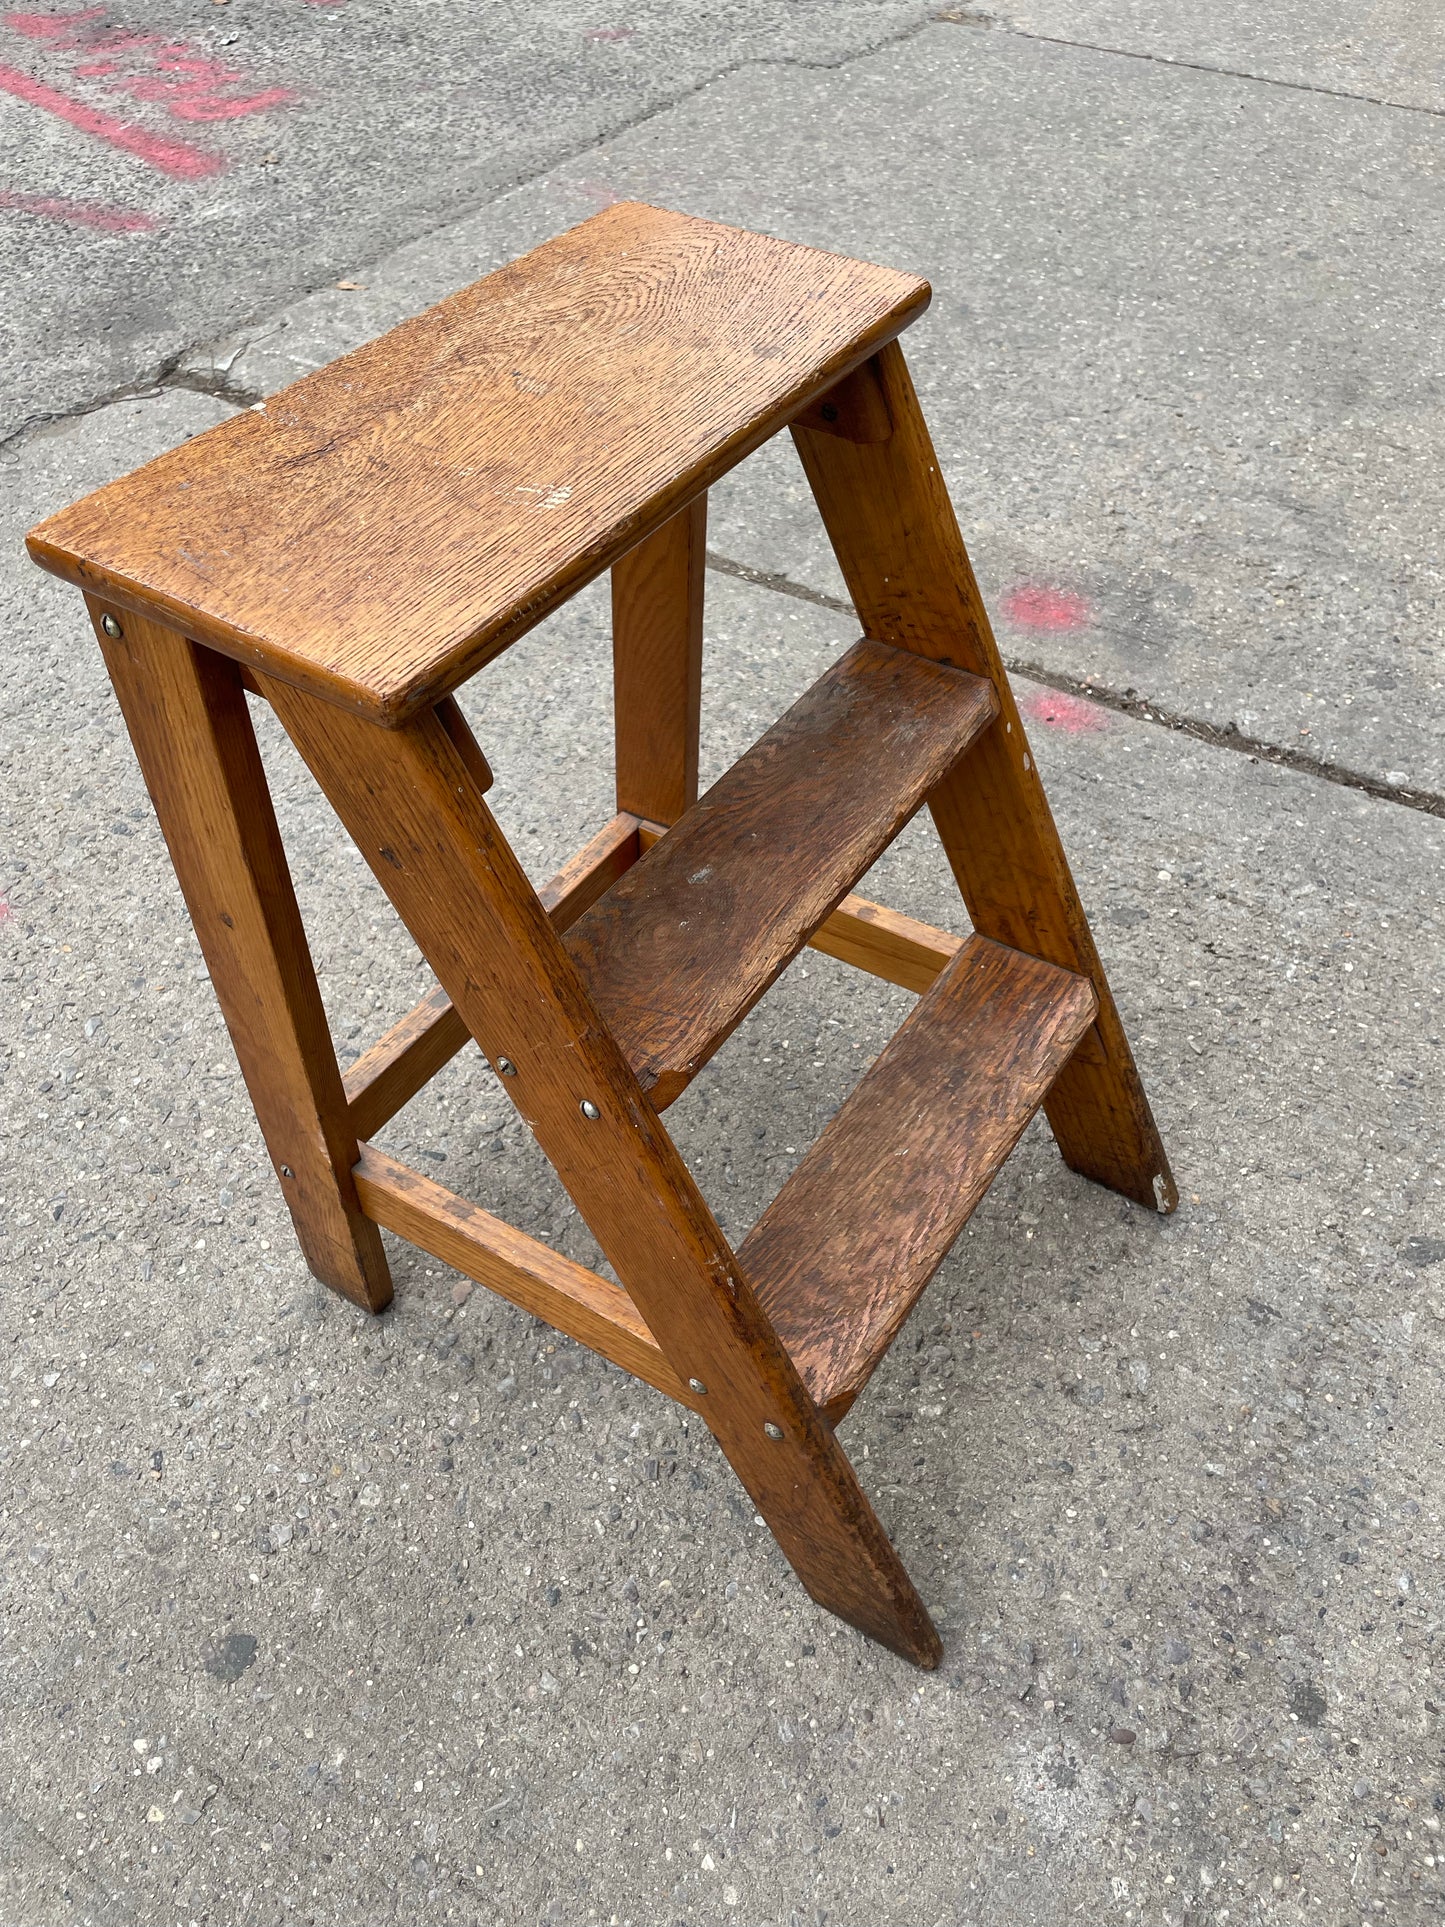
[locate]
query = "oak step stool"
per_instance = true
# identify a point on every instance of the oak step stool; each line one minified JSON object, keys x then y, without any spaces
{"x":358,"y":547}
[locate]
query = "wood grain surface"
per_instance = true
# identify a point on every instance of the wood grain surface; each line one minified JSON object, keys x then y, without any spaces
{"x":842,"y":1254}
{"x":897,"y":540}
{"x":406,"y":1058}
{"x":657,"y":603}
{"x":380,"y":529}
{"x":570,"y":1297}
{"x":408,"y":799}
{"x":885,"y":943}
{"x":681,"y":948}
{"x":187,"y":716}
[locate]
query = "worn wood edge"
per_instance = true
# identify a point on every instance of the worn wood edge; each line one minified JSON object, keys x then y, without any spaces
{"x":665,"y":1078}
{"x":870,"y":936}
{"x":837,"y":1400}
{"x":392,"y":705}
{"x":528,"y":1274}
{"x":252,"y":654}
{"x":1077,"y":1004}
{"x":405,"y":1058}
{"x":474,"y":651}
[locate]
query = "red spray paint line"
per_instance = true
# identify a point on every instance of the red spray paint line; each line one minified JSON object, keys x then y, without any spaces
{"x":177,"y":158}
{"x":1038,"y":605}
{"x":110,"y":220}
{"x":1069,"y":713}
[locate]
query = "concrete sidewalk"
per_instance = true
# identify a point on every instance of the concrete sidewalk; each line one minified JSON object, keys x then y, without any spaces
{"x":432,"y":1618}
{"x":169,"y":168}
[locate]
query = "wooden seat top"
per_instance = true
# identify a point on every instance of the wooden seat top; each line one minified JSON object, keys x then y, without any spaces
{"x":379,"y":530}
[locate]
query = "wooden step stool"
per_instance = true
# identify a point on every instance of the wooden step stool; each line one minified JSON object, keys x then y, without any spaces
{"x":363,"y":543}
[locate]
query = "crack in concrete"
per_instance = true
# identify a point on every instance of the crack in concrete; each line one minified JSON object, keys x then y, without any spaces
{"x":1142,"y":708}
{"x":150,"y":387}
{"x":212,"y":381}
{"x":107,"y":1900}
{"x":168,"y":373}
{"x":217,"y":382}
{"x":971,"y":17}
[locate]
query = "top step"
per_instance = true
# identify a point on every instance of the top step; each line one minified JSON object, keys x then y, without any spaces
{"x":384,"y":527}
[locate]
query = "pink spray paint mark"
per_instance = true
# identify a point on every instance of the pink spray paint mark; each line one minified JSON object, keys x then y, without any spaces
{"x":1069,"y":713}
{"x":110,"y":220}
{"x":5,"y":909}
{"x":609,"y":33}
{"x":177,"y":158}
{"x":53,"y":26}
{"x":188,"y":83}
{"x":1038,"y":605}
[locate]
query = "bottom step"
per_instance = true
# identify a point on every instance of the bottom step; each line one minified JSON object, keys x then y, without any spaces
{"x":842,"y":1254}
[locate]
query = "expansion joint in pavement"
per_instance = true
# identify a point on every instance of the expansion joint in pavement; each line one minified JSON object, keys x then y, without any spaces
{"x":1130,"y":703}
{"x":975,"y":17}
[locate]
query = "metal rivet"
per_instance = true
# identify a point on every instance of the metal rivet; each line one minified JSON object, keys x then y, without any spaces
{"x":111,"y":627}
{"x":698,"y":1386}
{"x":828,"y":412}
{"x":287,"y":1172}
{"x":773,"y":1431}
{"x":588,"y":1108}
{"x":506,"y":1067}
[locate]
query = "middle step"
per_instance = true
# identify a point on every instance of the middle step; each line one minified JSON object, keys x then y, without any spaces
{"x":686,"y":941}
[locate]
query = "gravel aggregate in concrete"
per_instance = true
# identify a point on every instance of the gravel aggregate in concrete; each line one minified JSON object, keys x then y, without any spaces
{"x":175,"y":167}
{"x":1391,"y":50}
{"x":437,"y":1617}
{"x":1182,"y":364}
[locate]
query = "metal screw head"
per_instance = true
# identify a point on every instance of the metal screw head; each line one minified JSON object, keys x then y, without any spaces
{"x":287,"y":1172}
{"x":698,"y":1386}
{"x":773,"y":1431}
{"x":588,"y":1108}
{"x":829,"y":412}
{"x":111,"y":627}
{"x":506,"y":1067}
